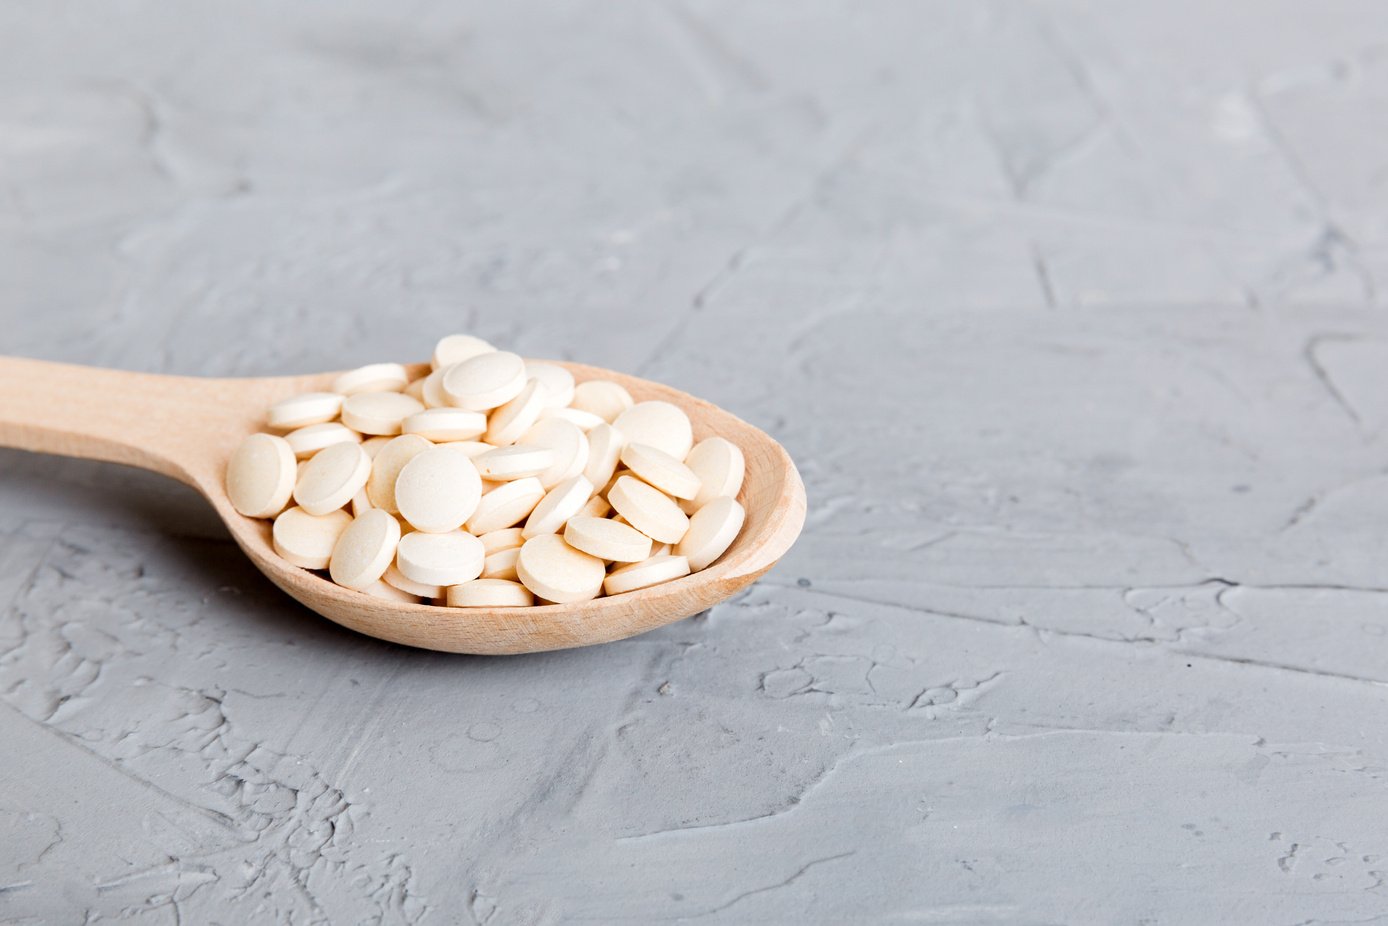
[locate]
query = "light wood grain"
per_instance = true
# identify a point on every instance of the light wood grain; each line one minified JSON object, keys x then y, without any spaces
{"x":187,"y":428}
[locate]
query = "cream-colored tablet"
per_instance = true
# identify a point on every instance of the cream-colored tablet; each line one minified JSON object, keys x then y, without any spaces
{"x":490,"y":593}
{"x":646,"y":573}
{"x":484,"y":382}
{"x":378,"y":412}
{"x":596,"y":507}
{"x":445,"y":424}
{"x":603,"y":398}
{"x":260,"y":475}
{"x":471,"y":448}
{"x":553,"y":570}
{"x":440,"y":559}
{"x":519,"y":461}
{"x":434,"y":396}
{"x":607,"y":539}
{"x":397,"y":579}
{"x":372,"y":444}
{"x":507,"y":504}
{"x":712,"y":529}
{"x":329,"y":480}
{"x":584,"y":421}
{"x":361,"y":502}
{"x":517,"y":416}
{"x":307,"y":441}
{"x":374,"y":377}
{"x":365,"y":549}
{"x":660,"y":549}
{"x":383,"y":589}
{"x":559,"y":504}
{"x":385,"y":469}
{"x":661,"y":470}
{"x":455,"y":348}
{"x":501,"y":564}
{"x":307,"y":540}
{"x":649,"y":510}
{"x":301,"y":410}
{"x":659,"y":424}
{"x":719,"y":464}
{"x":558,"y":382}
{"x":570,"y":448}
{"x":415,"y":390}
{"x":505,"y":539}
{"x":438,"y":490}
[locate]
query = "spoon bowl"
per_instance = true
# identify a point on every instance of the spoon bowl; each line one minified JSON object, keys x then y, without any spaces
{"x":187,"y":427}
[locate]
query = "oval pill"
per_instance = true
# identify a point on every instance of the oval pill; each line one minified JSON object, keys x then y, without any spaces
{"x":555,"y":571}
{"x":559,"y":504}
{"x":603,"y":398}
{"x":455,"y":348}
{"x":383,"y":589}
{"x":433,"y":394}
{"x":661,"y":470}
{"x":501,"y":564}
{"x":378,"y":412}
{"x":490,"y":593}
{"x":568,"y":443}
{"x":301,"y":410}
{"x":507,"y":504}
{"x":518,"y":461}
{"x":720,"y":466}
{"x":660,"y":424}
{"x":649,"y":510}
{"x":308,"y":440}
{"x":374,"y":377}
{"x":397,"y":579}
{"x":329,"y":480}
{"x":485,"y":381}
{"x":505,"y":539}
{"x":438,"y":490}
{"x":517,"y":416}
{"x":445,"y":424}
{"x":605,"y":445}
{"x":307,"y":540}
{"x":606,"y":539}
{"x":364,"y":550}
{"x":584,"y":421}
{"x":712,"y":529}
{"x":440,"y":559}
{"x":646,"y":573}
{"x":558,"y":382}
{"x":386,"y":467}
{"x":261,"y":475}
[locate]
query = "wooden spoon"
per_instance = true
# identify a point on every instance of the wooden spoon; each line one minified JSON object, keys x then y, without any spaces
{"x":187,"y":428}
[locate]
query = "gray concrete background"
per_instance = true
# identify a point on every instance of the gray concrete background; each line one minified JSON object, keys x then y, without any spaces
{"x":1069,"y":312}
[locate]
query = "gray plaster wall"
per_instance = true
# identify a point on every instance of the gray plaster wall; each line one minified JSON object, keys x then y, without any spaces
{"x":1070,"y":313}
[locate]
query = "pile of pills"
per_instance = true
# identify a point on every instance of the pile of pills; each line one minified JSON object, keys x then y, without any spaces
{"x":493,"y":481}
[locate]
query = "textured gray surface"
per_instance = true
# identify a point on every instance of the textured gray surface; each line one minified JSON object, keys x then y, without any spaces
{"x":1068,"y":311}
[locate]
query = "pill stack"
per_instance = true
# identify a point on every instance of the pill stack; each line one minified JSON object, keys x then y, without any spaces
{"x":492,"y":481}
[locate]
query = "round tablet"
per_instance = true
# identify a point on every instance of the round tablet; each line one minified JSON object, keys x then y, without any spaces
{"x":649,"y":510}
{"x":471,"y":448}
{"x":659,"y":424}
{"x":382,"y":589}
{"x":490,"y":593}
{"x":607,"y":539}
{"x":438,"y":490}
{"x":519,"y":461}
{"x":517,"y":416}
{"x":374,"y":377}
{"x":378,"y":412}
{"x":558,"y":382}
{"x":570,"y":448}
{"x":307,"y":441}
{"x":364,"y":550}
{"x":646,"y":573}
{"x":455,"y":348}
{"x":307,"y":540}
{"x":373,"y":444}
{"x":501,"y":564}
{"x":361,"y":502}
{"x":445,"y":424}
{"x":434,"y":396}
{"x":505,"y":539}
{"x":440,"y":559}
{"x":595,"y":507}
{"x":485,"y":381}
{"x":415,"y":390}
{"x":603,"y":398}
{"x":584,"y":421}
{"x":553,"y":570}
{"x":300,"y":410}
{"x":605,"y":445}
{"x":661,"y":470}
{"x":719,"y":464}
{"x":507,"y":504}
{"x":329,"y":480}
{"x":397,"y":579}
{"x":561,"y":503}
{"x":385,"y":469}
{"x":712,"y":529}
{"x":260,"y":475}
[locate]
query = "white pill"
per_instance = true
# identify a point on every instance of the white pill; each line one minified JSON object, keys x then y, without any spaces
{"x":603,"y":398}
{"x":660,"y":549}
{"x":519,"y":461}
{"x":372,"y":444}
{"x":596,"y":507}
{"x":434,"y":396}
{"x":378,"y":412}
{"x":397,"y":579}
{"x":301,"y":410}
{"x":649,"y":510}
{"x":505,"y":505}
{"x":507,"y":538}
{"x":361,"y":502}
{"x":607,"y":539}
{"x":719,"y":464}
{"x":570,"y":448}
{"x":584,"y":421}
{"x":559,"y":504}
{"x":440,"y":559}
{"x":659,"y":424}
{"x":438,"y":490}
{"x":329,"y":480}
{"x":260,"y":475}
{"x":307,"y":441}
{"x":517,"y":416}
{"x":365,"y":549}
{"x":558,"y":382}
{"x":385,"y":469}
{"x":383,"y":589}
{"x":445,"y":424}
{"x":557,"y":572}
{"x":661,"y":470}
{"x":374,"y":377}
{"x":712,"y":529}
{"x":490,"y":593}
{"x":307,"y":540}
{"x":605,"y":445}
{"x":485,"y":382}
{"x":501,"y":564}
{"x":646,"y":573}
{"x":455,"y":348}
{"x":415,"y":390}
